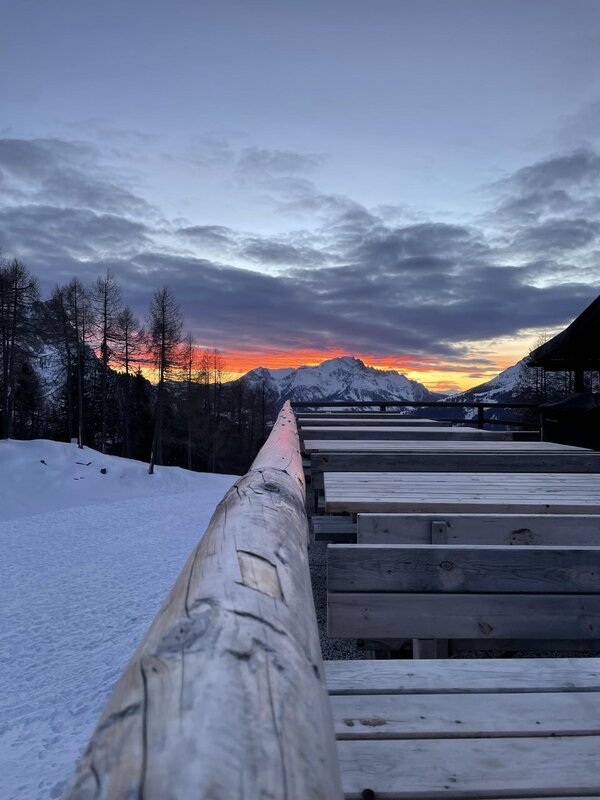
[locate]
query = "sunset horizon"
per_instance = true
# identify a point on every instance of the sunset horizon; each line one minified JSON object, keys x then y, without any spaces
{"x":398,"y":209}
{"x":235,"y":365}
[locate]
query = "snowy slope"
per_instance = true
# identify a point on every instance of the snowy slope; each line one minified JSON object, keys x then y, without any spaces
{"x":87,"y":560}
{"x":513,"y":383}
{"x":344,"y":378}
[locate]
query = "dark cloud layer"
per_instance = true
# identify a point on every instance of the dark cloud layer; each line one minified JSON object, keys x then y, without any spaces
{"x":354,"y":280}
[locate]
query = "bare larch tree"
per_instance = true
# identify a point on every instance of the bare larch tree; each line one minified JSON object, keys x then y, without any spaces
{"x":165,"y":323}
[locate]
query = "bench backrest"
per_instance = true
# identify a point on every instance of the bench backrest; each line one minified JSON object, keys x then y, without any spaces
{"x":463,"y":592}
{"x":483,"y":529}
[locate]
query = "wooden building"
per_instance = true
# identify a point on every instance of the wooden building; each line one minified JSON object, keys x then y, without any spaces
{"x":575,"y":419}
{"x":576,"y":349}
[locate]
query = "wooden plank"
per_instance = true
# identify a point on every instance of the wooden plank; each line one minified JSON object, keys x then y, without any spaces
{"x":462,"y":568}
{"x":361,"y":615}
{"x":426,"y":716}
{"x":389,"y":432}
{"x":202,"y":710}
{"x":464,"y":676}
{"x":552,"y":647}
{"x":502,"y":493}
{"x":418,"y":446}
{"x":337,"y":422}
{"x":518,"y":461}
{"x":476,"y":768}
{"x":339,"y":414}
{"x":509,"y":529}
{"x":334,"y":529}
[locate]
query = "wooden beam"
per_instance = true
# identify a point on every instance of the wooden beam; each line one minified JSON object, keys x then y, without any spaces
{"x":462,"y":568}
{"x":513,"y":529}
{"x":474,"y":768}
{"x":399,"y":432}
{"x":585,"y":461}
{"x":464,"y":676}
{"x":398,"y":422}
{"x":460,"y":716}
{"x":360,"y":615}
{"x":225,"y":696}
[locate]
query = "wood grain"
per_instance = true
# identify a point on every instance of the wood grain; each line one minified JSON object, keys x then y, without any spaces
{"x":501,"y":493}
{"x":459,"y":716}
{"x":390,"y":432}
{"x":463,"y":568}
{"x":225,"y":696}
{"x":474,"y":768}
{"x":360,"y":615}
{"x":452,"y":461}
{"x":465,"y":675}
{"x":508,"y":529}
{"x":418,"y":446}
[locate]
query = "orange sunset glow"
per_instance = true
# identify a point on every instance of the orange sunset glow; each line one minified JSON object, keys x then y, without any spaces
{"x":485,"y":360}
{"x":436,"y":376}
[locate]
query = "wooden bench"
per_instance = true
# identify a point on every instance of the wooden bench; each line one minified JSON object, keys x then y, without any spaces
{"x":467,"y":592}
{"x":458,"y":492}
{"x":498,"y":529}
{"x":417,"y":460}
{"x":477,"y":728}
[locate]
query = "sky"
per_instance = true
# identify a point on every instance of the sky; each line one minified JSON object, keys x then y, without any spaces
{"x":413,"y":182}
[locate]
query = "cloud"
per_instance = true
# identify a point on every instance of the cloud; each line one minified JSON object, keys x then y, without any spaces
{"x":275,"y":162}
{"x":556,"y":235}
{"x":578,"y":169}
{"x":218,"y":236}
{"x":66,"y":174}
{"x":358,"y":279}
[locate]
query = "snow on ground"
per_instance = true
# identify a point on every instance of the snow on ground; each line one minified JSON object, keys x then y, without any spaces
{"x":86,"y":561}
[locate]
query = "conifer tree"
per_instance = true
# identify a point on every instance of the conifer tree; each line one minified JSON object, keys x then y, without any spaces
{"x":18,"y":295}
{"x":107,"y":304}
{"x":164,"y":337}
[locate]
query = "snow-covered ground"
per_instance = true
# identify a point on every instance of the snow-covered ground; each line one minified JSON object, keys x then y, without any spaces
{"x":86,"y":561}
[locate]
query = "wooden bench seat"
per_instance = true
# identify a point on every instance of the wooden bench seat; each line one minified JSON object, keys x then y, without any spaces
{"x":476,"y":728}
{"x":466,"y":461}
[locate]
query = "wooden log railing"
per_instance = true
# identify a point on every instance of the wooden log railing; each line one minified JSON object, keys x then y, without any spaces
{"x":225,"y":697}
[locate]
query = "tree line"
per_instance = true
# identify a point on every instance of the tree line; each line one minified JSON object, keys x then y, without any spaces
{"x":74,"y":367}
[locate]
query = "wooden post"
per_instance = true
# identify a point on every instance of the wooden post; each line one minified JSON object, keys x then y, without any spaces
{"x":480,"y":417}
{"x":225,"y":697}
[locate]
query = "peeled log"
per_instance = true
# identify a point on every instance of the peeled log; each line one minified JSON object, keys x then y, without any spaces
{"x":225,"y":697}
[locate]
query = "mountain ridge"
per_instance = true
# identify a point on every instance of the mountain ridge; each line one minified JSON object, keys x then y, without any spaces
{"x":340,"y":378}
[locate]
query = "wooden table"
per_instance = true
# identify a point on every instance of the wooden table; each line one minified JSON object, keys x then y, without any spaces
{"x":467,"y":728}
{"x":501,"y":492}
{"x":391,"y":432}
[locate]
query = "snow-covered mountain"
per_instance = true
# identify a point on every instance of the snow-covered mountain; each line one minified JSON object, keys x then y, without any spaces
{"x":521,"y":383}
{"x":517,"y":384}
{"x":344,"y":378}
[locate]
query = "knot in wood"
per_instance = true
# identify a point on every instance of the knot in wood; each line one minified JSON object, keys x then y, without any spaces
{"x":271,"y":487}
{"x":447,"y":565}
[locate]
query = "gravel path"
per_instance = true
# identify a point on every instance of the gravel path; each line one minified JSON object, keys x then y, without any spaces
{"x":331,"y":648}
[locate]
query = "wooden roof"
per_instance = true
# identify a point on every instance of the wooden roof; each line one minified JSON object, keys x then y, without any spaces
{"x":575,"y":348}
